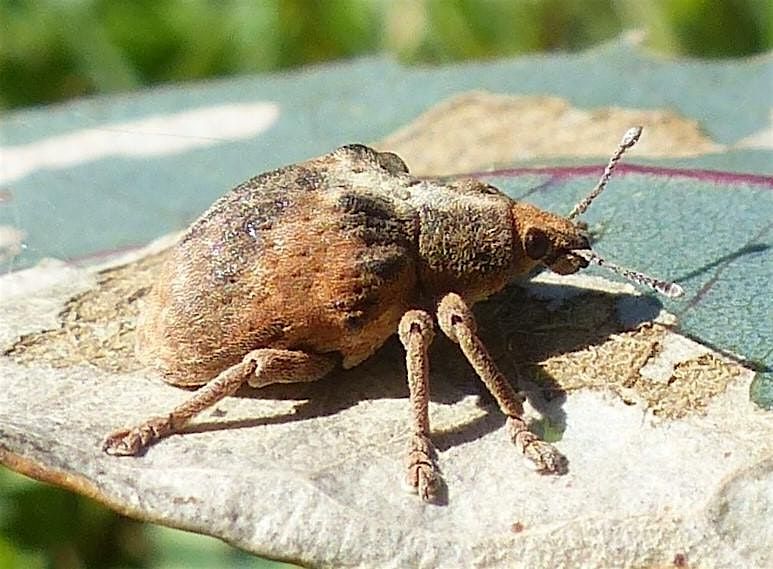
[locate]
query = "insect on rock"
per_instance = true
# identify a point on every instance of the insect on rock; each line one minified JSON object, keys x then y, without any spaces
{"x":315,"y":265}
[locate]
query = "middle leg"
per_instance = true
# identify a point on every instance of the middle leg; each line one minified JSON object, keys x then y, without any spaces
{"x":416,"y":332}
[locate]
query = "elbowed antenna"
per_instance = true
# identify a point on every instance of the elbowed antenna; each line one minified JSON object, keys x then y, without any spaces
{"x":671,"y":290}
{"x":629,"y":139}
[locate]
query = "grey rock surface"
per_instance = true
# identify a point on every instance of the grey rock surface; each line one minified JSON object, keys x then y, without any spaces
{"x":313,"y":473}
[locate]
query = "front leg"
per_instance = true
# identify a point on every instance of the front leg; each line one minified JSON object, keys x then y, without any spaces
{"x":416,"y":332}
{"x":458,"y":323}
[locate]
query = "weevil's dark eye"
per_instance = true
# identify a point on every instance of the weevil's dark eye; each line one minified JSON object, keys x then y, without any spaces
{"x":392,"y":163}
{"x":536,"y":243}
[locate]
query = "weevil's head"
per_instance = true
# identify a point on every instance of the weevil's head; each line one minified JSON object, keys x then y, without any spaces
{"x":563,"y":246}
{"x":550,"y":240}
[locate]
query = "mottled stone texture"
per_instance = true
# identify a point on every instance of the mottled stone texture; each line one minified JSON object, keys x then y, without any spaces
{"x":660,"y":464}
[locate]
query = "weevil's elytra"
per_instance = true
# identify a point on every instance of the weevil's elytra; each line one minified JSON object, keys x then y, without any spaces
{"x":315,"y":265}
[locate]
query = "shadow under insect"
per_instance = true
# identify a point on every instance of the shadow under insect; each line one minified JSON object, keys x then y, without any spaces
{"x":531,"y":333}
{"x":522,"y":328}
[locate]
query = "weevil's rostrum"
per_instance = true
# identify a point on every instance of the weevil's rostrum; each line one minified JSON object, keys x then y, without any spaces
{"x":316,"y":265}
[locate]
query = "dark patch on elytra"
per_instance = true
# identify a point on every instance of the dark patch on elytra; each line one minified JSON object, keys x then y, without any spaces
{"x":369,"y":205}
{"x":230,"y":235}
{"x":250,"y":207}
{"x":374,"y":220}
{"x":385,"y":263}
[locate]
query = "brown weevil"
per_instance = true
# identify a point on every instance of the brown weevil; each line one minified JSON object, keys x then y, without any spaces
{"x":315,"y":265}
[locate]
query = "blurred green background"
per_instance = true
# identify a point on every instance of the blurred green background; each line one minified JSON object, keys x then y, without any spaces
{"x":53,"y":50}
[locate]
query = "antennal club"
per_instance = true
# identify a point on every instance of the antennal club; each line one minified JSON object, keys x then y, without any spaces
{"x":629,"y":139}
{"x":669,"y":289}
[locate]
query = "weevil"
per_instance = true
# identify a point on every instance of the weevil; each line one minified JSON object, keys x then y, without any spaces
{"x":314,"y":266}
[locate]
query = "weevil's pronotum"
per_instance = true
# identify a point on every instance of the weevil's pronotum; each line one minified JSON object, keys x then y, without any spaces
{"x":315,"y":265}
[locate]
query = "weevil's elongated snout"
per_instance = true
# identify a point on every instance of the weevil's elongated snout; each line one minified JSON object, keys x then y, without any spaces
{"x":565,"y":261}
{"x":550,"y":240}
{"x":568,"y":264}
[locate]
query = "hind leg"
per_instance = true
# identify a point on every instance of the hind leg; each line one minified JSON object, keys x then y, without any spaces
{"x":258,"y":368}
